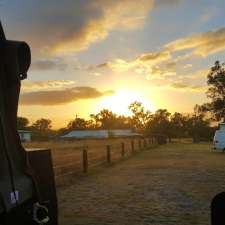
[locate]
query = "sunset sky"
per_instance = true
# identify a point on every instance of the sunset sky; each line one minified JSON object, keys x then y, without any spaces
{"x":94,"y":54}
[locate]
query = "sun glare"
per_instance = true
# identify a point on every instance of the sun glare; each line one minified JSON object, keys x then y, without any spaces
{"x":119,"y":103}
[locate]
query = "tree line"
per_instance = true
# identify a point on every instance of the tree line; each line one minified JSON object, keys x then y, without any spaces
{"x":197,"y":125}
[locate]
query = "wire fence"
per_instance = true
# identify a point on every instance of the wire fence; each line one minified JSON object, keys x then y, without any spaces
{"x":71,"y":161}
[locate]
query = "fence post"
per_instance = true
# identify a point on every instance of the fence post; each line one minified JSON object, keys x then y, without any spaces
{"x":122,"y":150}
{"x":149,"y":141}
{"x":145,"y":143}
{"x":85,"y":160}
{"x":132,"y":146}
{"x":108,"y":153}
{"x":139,"y":144}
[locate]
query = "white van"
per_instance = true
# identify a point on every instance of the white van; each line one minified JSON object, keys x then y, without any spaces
{"x":219,"y":138}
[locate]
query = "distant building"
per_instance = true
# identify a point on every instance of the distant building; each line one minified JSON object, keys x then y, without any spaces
{"x":222,"y":126}
{"x":99,"y":134}
{"x":25,"y":135}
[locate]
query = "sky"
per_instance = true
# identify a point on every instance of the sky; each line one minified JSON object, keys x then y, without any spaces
{"x":94,"y":54}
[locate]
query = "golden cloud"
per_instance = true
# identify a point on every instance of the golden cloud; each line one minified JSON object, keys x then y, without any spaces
{"x":182,"y":86}
{"x":115,"y":15}
{"x":202,"y":44}
{"x":61,"y":97}
{"x":28,"y":85}
{"x":48,"y":65}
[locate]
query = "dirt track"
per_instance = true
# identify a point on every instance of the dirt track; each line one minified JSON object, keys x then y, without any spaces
{"x":170,"y":185}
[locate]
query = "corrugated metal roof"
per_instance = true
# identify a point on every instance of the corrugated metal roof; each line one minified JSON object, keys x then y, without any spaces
{"x":24,"y":131}
{"x":99,"y":133}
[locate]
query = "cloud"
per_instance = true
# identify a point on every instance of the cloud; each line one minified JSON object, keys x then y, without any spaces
{"x":182,"y":86}
{"x":98,"y":66}
{"x":155,"y":57}
{"x":202,"y":44}
{"x":61,"y":97}
{"x":68,"y":26}
{"x":114,"y":15}
{"x":48,"y":65}
{"x":28,"y":85}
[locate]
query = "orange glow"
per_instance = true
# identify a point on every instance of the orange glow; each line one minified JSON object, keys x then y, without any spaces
{"x":119,"y":103}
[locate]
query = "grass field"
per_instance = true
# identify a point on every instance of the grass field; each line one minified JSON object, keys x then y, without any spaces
{"x":171,"y":184}
{"x":67,"y":155}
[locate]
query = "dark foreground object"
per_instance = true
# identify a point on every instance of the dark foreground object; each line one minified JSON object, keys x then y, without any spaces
{"x":27,"y":188}
{"x":218,"y":209}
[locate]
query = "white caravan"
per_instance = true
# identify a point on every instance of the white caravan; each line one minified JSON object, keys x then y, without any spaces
{"x":219,"y":138}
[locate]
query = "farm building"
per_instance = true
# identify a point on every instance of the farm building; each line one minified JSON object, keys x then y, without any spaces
{"x":99,"y":134}
{"x":222,"y":126}
{"x":25,"y":135}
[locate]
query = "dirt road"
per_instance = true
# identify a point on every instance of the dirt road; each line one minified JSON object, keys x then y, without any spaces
{"x":172,"y":184}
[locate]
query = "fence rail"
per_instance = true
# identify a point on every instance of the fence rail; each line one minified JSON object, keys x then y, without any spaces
{"x":80,"y":160}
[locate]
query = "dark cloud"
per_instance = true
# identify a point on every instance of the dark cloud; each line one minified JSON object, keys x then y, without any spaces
{"x":70,"y":26}
{"x":61,"y":97}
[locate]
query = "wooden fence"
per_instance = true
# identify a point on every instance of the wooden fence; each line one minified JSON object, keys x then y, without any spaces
{"x":72,"y":161}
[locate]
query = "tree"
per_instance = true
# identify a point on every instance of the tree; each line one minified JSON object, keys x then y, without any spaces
{"x":198,"y":126}
{"x":177,"y":125}
{"x":77,"y":124}
{"x":159,"y":124}
{"x":42,"y":125}
{"x":216,"y":92}
{"x":22,"y":123}
{"x":106,"y":119}
{"x":140,"y":116}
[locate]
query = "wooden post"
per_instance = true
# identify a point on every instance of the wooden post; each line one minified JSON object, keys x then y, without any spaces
{"x":145,"y":143}
{"x":108,"y":154}
{"x":132,"y":146}
{"x":122,"y":150}
{"x":149,"y":141}
{"x":85,"y":160}
{"x":139,"y":144}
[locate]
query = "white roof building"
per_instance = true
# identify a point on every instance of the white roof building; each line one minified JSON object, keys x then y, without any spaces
{"x":99,"y":134}
{"x":222,"y":126}
{"x":25,"y":135}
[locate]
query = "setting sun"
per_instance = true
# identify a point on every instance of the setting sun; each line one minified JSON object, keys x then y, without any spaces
{"x":119,"y":103}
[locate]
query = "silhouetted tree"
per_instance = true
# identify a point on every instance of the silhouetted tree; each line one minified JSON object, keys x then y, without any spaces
{"x":177,"y":125}
{"x":140,"y":116}
{"x":107,"y":119}
{"x":22,"y":123}
{"x":42,"y":125}
{"x":198,"y":126}
{"x":42,"y":129}
{"x":77,"y":124}
{"x":216,"y":92}
{"x":160,"y":123}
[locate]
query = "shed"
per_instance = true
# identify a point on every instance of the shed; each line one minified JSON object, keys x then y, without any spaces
{"x":87,"y":134}
{"x":99,"y":134}
{"x":222,"y":126}
{"x":25,"y":135}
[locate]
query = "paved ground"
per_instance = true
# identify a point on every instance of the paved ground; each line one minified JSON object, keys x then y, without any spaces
{"x":170,"y":185}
